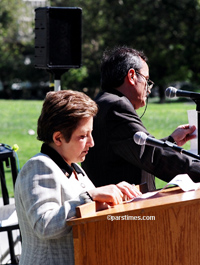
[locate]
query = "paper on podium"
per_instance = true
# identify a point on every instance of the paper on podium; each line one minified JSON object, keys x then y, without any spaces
{"x":192,"y":119}
{"x":184,"y":182}
{"x":181,"y":180}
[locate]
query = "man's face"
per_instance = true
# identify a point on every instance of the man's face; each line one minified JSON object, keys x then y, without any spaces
{"x":140,"y":92}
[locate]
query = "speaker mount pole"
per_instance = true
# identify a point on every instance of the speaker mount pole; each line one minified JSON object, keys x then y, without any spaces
{"x":57,"y":77}
{"x":57,"y":86}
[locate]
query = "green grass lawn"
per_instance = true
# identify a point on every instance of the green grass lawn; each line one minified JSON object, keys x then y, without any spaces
{"x":17,"y":118}
{"x":162,"y":119}
{"x":20,"y":116}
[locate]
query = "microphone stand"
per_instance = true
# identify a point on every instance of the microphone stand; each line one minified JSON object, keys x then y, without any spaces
{"x":181,"y":150}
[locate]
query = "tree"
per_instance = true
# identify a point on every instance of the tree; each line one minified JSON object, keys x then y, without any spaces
{"x":167,"y":31}
{"x":16,"y":43}
{"x":9,"y":52}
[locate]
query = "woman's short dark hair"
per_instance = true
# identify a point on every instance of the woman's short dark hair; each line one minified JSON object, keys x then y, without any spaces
{"x":62,"y":111}
{"x":116,"y":64}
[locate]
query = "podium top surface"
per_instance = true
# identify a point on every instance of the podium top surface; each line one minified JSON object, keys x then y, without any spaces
{"x":171,"y":197}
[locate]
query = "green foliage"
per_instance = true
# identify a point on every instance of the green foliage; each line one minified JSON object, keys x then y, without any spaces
{"x":16,"y":43}
{"x":73,"y":78}
{"x":10,"y":51}
{"x":167,"y":31}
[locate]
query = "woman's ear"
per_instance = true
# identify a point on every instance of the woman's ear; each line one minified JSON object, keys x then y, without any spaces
{"x":131,"y":76}
{"x":57,"y":138}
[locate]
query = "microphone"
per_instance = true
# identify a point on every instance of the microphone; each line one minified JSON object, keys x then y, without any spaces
{"x":141,"y":138}
{"x":172,"y":92}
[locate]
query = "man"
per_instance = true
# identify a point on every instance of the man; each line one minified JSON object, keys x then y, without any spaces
{"x":115,"y":156}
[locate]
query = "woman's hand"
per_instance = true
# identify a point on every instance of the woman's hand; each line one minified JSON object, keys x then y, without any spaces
{"x":109,"y":194}
{"x":114,"y":194}
{"x":129,"y":190}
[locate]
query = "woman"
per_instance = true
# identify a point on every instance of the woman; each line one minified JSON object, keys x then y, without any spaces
{"x":51,"y":184}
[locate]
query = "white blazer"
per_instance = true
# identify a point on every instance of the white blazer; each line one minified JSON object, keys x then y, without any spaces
{"x":45,"y":198}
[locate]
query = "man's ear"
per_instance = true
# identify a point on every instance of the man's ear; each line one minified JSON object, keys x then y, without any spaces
{"x":57,"y":138}
{"x":131,"y":76}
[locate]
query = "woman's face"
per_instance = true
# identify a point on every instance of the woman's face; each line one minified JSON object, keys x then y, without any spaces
{"x":81,"y":140}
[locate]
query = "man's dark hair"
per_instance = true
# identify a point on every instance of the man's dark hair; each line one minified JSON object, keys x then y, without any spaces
{"x":116,"y":64}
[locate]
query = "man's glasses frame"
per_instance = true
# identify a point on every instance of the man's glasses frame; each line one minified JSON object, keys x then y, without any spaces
{"x":149,"y":82}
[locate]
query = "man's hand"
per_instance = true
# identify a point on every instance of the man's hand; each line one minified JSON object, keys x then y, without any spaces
{"x":183,"y":133}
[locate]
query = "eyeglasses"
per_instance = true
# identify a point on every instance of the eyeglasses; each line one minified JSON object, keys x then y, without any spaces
{"x":149,"y":82}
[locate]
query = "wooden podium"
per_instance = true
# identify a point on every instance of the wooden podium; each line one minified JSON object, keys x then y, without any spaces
{"x":171,"y":236}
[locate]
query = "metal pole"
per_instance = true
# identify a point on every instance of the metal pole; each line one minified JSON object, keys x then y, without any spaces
{"x":57,"y":85}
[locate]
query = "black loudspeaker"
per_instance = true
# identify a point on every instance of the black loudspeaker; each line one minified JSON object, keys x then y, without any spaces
{"x":58,"y":37}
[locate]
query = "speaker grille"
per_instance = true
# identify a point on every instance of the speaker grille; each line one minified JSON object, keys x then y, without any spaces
{"x":58,"y":37}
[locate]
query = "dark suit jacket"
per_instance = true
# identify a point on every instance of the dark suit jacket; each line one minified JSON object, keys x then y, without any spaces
{"x":116,"y":157}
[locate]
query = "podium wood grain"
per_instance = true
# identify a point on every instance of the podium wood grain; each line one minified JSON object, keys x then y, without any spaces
{"x":173,"y":238}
